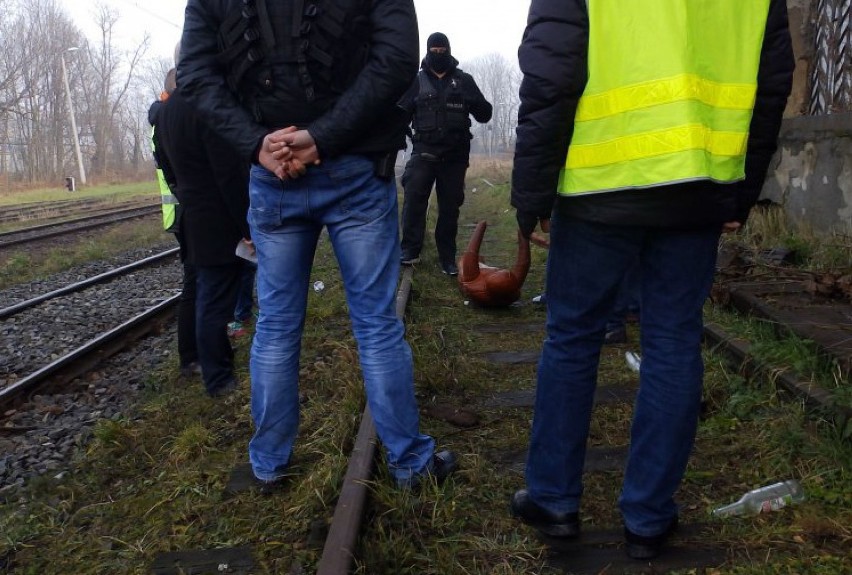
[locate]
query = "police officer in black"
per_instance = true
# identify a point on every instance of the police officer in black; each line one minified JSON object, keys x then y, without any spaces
{"x":441,"y":99}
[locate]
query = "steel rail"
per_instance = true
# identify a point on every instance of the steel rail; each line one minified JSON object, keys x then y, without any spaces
{"x":71,"y":288}
{"x":123,"y":210}
{"x":44,"y":210}
{"x":339,"y":549}
{"x":116,"y":334}
{"x":738,"y":354}
{"x":35,"y":207}
{"x":143,"y":212}
{"x":54,"y":217}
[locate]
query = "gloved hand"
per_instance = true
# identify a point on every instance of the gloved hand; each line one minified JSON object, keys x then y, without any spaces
{"x":526,"y":222}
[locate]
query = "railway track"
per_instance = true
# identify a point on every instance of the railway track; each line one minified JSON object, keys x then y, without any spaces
{"x":55,"y":351}
{"x":340,"y":545}
{"x":64,"y":209}
{"x":598,"y":551}
{"x":40,"y":210}
{"x":45,"y":334}
{"x":42,"y":232}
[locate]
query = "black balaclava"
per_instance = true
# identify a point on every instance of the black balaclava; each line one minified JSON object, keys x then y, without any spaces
{"x":440,"y":63}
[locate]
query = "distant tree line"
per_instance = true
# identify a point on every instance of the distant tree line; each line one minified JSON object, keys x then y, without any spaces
{"x":499,"y":80}
{"x":111,"y":87}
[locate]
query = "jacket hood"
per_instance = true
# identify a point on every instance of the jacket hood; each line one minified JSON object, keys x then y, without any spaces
{"x":153,"y":112}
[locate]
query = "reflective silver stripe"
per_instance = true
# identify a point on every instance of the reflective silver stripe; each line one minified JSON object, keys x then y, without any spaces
{"x":169,"y":199}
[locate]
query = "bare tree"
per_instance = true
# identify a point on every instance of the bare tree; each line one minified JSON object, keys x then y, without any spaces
{"x":499,"y":81}
{"x":108,"y":82}
{"x":152,"y":76}
{"x":12,"y":89}
{"x":110,"y":87}
{"x":12,"y":57}
{"x":34,"y":34}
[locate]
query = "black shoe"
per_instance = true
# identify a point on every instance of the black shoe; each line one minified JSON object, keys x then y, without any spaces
{"x":618,"y":335}
{"x":444,"y":464}
{"x":409,"y":260}
{"x":191,"y":369}
{"x":270,"y":487}
{"x":553,"y":524}
{"x":450,"y":268}
{"x":644,"y":548}
{"x":224,"y":390}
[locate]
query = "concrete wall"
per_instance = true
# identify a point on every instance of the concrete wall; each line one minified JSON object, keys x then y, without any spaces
{"x":811,"y":174}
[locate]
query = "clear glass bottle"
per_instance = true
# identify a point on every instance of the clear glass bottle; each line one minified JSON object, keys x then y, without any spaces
{"x":634,"y":361}
{"x":769,"y":498}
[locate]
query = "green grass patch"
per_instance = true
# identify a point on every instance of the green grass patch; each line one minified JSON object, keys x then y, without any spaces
{"x":785,"y":353}
{"x":111,"y":192}
{"x":27,"y":263}
{"x":155,"y":483}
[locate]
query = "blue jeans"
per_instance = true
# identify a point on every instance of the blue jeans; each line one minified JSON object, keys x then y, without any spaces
{"x":245,"y":294}
{"x":586,"y":264}
{"x":627,"y":300}
{"x":216,"y":294}
{"x":360,"y":213}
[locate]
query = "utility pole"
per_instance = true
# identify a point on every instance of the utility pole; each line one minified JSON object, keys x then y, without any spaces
{"x":74,"y":136}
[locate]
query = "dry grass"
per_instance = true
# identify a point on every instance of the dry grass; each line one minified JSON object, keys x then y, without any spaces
{"x":768,"y":227}
{"x":155,"y":484}
{"x":119,"y":191}
{"x":30,"y":263}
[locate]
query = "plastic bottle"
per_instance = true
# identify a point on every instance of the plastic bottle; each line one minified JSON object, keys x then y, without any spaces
{"x":769,"y":498}
{"x":634,"y":361}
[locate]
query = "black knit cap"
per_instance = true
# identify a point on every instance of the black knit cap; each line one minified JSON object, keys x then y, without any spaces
{"x":438,"y":40}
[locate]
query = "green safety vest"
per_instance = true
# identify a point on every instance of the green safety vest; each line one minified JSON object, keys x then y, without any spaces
{"x":670,"y":92}
{"x":168,"y":200}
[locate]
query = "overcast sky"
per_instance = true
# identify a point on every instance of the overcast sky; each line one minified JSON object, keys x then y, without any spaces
{"x":474,"y":27}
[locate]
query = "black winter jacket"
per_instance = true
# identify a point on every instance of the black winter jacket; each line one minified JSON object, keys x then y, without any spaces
{"x":553,"y":59}
{"x":363,"y":120}
{"x":452,"y":148}
{"x":210,"y":182}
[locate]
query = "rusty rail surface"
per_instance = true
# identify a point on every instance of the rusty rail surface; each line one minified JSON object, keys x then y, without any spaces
{"x":339,"y":548}
{"x":75,"y":287}
{"x":41,"y":232}
{"x":84,"y":358}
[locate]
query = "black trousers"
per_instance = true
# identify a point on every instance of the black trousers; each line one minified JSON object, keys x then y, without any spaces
{"x":187,"y":348}
{"x":215,"y":298}
{"x":418,"y":179}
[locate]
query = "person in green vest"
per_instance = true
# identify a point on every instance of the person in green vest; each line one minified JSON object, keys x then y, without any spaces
{"x":187,"y":349}
{"x":645,"y":131}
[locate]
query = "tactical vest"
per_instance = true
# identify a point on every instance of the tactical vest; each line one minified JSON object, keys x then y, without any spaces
{"x":168,"y":200}
{"x":670,"y":92}
{"x":317,"y":47}
{"x":440,"y":117}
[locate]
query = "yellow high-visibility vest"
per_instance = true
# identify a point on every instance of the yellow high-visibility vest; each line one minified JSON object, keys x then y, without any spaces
{"x":669,"y":96}
{"x":168,"y":200}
